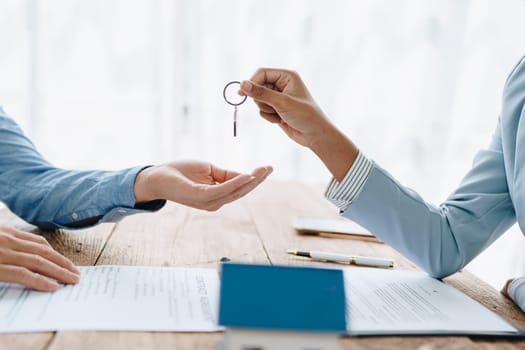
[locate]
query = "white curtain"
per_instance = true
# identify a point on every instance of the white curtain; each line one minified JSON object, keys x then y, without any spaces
{"x":115,"y":83}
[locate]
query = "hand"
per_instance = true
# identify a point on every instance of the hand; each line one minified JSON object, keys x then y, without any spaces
{"x":505,"y":289}
{"x":196,"y":184}
{"x":29,"y":260}
{"x":283,"y":99}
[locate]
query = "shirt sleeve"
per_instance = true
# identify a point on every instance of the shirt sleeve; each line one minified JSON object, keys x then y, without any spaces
{"x":343,"y":193}
{"x":516,"y":291}
{"x":50,"y":197}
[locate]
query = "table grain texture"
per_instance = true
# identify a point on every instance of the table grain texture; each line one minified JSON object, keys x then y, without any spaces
{"x":255,"y":229}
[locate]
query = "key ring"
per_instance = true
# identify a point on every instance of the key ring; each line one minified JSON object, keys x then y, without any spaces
{"x":226,"y":98}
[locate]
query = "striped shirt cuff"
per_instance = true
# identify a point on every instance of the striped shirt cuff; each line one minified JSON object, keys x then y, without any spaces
{"x":343,"y":193}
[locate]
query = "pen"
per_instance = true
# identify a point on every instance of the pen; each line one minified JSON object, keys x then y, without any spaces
{"x":343,"y":258}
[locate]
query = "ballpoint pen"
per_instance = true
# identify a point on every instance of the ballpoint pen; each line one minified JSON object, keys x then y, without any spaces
{"x":343,"y":258}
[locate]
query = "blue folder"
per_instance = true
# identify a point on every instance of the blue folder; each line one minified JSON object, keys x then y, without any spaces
{"x":282,"y":298}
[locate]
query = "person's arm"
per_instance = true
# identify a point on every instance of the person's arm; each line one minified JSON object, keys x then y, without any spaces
{"x":50,"y":197}
{"x":441,"y":239}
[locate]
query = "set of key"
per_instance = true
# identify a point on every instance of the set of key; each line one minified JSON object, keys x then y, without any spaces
{"x":233,"y":98}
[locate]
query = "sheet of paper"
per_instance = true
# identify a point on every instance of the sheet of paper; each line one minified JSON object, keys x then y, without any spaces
{"x":408,"y":302}
{"x":117,"y":298}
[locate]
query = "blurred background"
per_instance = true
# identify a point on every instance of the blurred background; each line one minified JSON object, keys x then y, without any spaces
{"x":116,"y":83}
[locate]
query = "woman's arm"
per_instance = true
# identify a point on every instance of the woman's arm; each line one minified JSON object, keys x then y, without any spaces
{"x":441,"y":239}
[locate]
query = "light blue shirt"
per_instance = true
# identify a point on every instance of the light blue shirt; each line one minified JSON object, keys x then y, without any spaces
{"x":489,"y":200}
{"x":50,"y":197}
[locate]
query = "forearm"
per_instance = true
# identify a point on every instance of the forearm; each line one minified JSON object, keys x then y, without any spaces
{"x":441,"y":239}
{"x":335,"y":150}
{"x":51,"y":197}
{"x":400,"y":218}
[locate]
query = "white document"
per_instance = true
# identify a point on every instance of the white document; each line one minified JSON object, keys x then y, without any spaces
{"x":382,"y":302}
{"x":117,"y":298}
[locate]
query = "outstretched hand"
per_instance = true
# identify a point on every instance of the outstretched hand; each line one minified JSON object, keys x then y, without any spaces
{"x":196,"y":184}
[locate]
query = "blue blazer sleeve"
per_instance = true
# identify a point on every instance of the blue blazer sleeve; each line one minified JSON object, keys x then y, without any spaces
{"x":491,"y":197}
{"x":440,"y":239}
{"x":50,"y":197}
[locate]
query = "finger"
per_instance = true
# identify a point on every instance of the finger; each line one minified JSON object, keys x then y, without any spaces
{"x":260,"y":93}
{"x":210,"y":193}
{"x":262,"y":174}
{"x":26,"y":235}
{"x":220,"y":175}
{"x":263,"y":107}
{"x":267,"y":112}
{"x":21,"y":275}
{"x":259,"y":174}
{"x":47,"y":253}
{"x":36,"y":263}
{"x":262,"y":171}
{"x":279,"y":78}
{"x":271,"y":117}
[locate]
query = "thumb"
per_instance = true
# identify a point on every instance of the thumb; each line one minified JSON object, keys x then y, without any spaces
{"x":262,"y":94}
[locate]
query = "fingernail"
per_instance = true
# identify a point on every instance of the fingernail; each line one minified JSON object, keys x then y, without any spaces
{"x":75,"y":270}
{"x":246,"y":86}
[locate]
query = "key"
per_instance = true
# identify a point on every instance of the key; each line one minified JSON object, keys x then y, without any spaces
{"x":233,"y":102}
{"x":235,"y":122}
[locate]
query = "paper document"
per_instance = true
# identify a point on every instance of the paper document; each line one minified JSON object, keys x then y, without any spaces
{"x":410,"y":302}
{"x":117,"y":298}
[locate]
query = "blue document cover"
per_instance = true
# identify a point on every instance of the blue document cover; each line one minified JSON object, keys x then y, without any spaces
{"x":282,"y":298}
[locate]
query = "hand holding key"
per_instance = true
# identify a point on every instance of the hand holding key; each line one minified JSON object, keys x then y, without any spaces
{"x":232,"y":98}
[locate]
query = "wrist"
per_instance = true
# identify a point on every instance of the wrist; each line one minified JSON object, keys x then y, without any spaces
{"x":320,"y":140}
{"x":336,"y":151}
{"x":144,"y":186}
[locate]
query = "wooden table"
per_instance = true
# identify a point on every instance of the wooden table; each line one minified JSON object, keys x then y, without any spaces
{"x":256,"y":228}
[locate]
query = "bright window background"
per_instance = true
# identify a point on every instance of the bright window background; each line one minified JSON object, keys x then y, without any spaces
{"x":416,"y":84}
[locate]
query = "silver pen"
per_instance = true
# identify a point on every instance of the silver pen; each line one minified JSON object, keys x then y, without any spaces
{"x":343,"y":258}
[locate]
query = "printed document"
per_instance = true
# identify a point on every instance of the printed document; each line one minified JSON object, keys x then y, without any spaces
{"x":117,"y":298}
{"x":383,"y":302}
